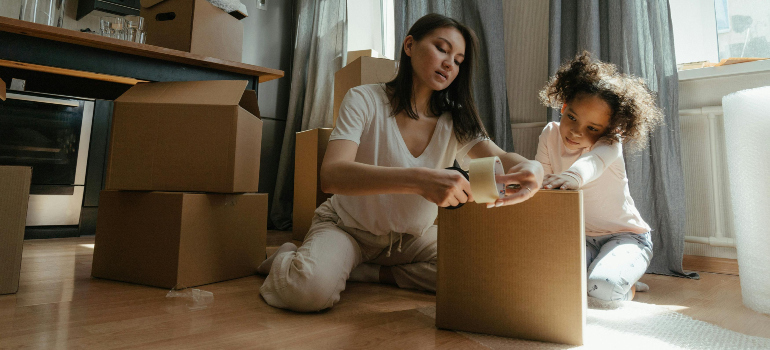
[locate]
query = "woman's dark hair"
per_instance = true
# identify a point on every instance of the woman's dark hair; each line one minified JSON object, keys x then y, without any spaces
{"x":457,"y":98}
{"x":633,"y":111}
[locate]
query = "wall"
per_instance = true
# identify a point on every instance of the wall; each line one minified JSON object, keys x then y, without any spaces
{"x":526,"y":55}
{"x":268,"y":41}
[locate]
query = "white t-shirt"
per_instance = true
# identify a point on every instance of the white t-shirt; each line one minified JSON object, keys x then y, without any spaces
{"x":365,"y":119}
{"x":601,"y":174}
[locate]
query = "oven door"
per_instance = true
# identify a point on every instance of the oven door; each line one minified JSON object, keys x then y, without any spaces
{"x":50,"y":133}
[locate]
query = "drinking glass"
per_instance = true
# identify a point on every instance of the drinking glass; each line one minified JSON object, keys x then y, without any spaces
{"x":113,"y":27}
{"x":135,"y":29}
{"x":49,"y":12}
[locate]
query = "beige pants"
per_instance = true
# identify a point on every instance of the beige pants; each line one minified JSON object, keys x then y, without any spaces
{"x":312,"y":278}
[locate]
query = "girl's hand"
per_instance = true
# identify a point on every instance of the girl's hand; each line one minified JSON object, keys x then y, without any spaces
{"x":560,"y":181}
{"x":445,"y":187}
{"x":528,"y":175}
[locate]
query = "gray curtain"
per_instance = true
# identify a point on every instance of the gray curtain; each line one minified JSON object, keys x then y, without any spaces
{"x":636,"y":35}
{"x":485,"y":17}
{"x":320,"y":44}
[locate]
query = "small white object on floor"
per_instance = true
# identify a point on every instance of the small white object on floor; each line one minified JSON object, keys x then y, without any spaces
{"x":196,"y":299}
{"x":625,"y":325}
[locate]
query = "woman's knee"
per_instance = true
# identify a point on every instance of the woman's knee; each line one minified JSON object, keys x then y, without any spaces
{"x":308,"y":293}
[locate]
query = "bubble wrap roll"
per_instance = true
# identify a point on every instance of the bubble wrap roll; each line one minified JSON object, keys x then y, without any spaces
{"x":747,"y":130}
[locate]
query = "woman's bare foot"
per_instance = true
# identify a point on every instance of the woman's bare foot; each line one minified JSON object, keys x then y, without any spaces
{"x":264,"y":268}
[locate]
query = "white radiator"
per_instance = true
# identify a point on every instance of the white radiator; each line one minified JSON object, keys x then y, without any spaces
{"x":709,"y":218}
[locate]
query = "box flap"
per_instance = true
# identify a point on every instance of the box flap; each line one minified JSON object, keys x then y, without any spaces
{"x":249,"y":102}
{"x":213,"y":92}
{"x":150,"y":3}
{"x":2,"y":90}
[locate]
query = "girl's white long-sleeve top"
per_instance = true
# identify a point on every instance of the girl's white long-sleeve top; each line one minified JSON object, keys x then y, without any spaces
{"x":601,"y":173}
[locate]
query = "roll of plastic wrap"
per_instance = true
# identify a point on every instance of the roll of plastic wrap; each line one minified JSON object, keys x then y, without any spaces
{"x":747,"y":130}
{"x":482,"y":173}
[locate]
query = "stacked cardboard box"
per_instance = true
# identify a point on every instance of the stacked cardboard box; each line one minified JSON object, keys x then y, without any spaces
{"x":180,"y":207}
{"x":195,"y":26}
{"x":311,"y":144}
{"x":361,"y":71}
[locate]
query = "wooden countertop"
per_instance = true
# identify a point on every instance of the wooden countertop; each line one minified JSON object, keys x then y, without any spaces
{"x":92,"y":40}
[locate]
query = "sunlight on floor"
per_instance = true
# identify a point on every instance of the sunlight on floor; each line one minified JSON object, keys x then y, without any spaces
{"x":87,"y":245}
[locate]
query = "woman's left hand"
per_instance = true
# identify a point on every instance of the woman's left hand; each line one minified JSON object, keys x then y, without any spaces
{"x":560,"y":181}
{"x":528,"y":175}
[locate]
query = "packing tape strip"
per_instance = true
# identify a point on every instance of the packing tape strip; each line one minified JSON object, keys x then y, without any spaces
{"x":482,"y":173}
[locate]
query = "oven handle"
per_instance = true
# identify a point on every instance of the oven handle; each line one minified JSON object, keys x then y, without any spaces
{"x":53,"y":101}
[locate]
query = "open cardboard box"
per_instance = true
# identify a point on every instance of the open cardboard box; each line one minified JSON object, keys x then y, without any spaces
{"x":14,"y":199}
{"x":176,"y":239}
{"x":308,"y":157}
{"x":514,"y":271}
{"x":363,"y":70}
{"x":197,"y":136}
{"x":195,"y":26}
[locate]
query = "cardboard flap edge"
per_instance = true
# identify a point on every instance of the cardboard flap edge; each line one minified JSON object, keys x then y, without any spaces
{"x":150,"y":3}
{"x":250,"y":103}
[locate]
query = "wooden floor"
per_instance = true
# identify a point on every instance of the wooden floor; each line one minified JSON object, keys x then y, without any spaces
{"x":60,"y":306}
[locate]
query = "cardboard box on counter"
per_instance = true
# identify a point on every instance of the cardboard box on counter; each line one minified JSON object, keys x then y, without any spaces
{"x":308,"y":157}
{"x":195,"y":136}
{"x":176,"y":239}
{"x":195,"y":26}
{"x":515,"y":271}
{"x":363,"y":70}
{"x":14,"y":198}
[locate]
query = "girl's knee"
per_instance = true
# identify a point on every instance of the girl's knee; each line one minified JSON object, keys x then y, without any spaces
{"x":608,"y":289}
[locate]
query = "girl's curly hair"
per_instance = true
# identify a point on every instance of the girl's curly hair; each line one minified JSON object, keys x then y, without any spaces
{"x":633,"y":111}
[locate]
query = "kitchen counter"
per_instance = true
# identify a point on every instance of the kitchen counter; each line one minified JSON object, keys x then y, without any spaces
{"x":62,"y":51}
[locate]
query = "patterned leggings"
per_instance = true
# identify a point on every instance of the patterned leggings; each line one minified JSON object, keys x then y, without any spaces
{"x":615,"y":262}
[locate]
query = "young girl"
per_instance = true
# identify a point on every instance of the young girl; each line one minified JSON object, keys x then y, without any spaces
{"x":601,"y":110}
{"x":385,"y":163}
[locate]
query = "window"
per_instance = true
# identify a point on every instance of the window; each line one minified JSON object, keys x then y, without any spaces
{"x":707,"y":32}
{"x":370,"y":26}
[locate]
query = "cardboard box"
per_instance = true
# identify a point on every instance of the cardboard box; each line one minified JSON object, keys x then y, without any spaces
{"x":14,"y":198}
{"x":176,"y":239}
{"x":362,"y":71}
{"x":195,"y":136}
{"x":515,"y":271}
{"x":195,"y":26}
{"x":353,"y":55}
{"x":308,"y":157}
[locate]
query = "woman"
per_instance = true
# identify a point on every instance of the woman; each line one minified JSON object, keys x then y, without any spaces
{"x":385,"y":164}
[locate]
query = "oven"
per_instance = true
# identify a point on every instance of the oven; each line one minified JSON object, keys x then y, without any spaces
{"x":51,"y":133}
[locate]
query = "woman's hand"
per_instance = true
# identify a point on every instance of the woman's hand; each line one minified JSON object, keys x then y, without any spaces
{"x":445,"y":187}
{"x":560,"y":181}
{"x":528,"y":175}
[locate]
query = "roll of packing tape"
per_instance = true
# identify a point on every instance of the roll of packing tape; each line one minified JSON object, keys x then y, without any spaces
{"x":482,"y":173}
